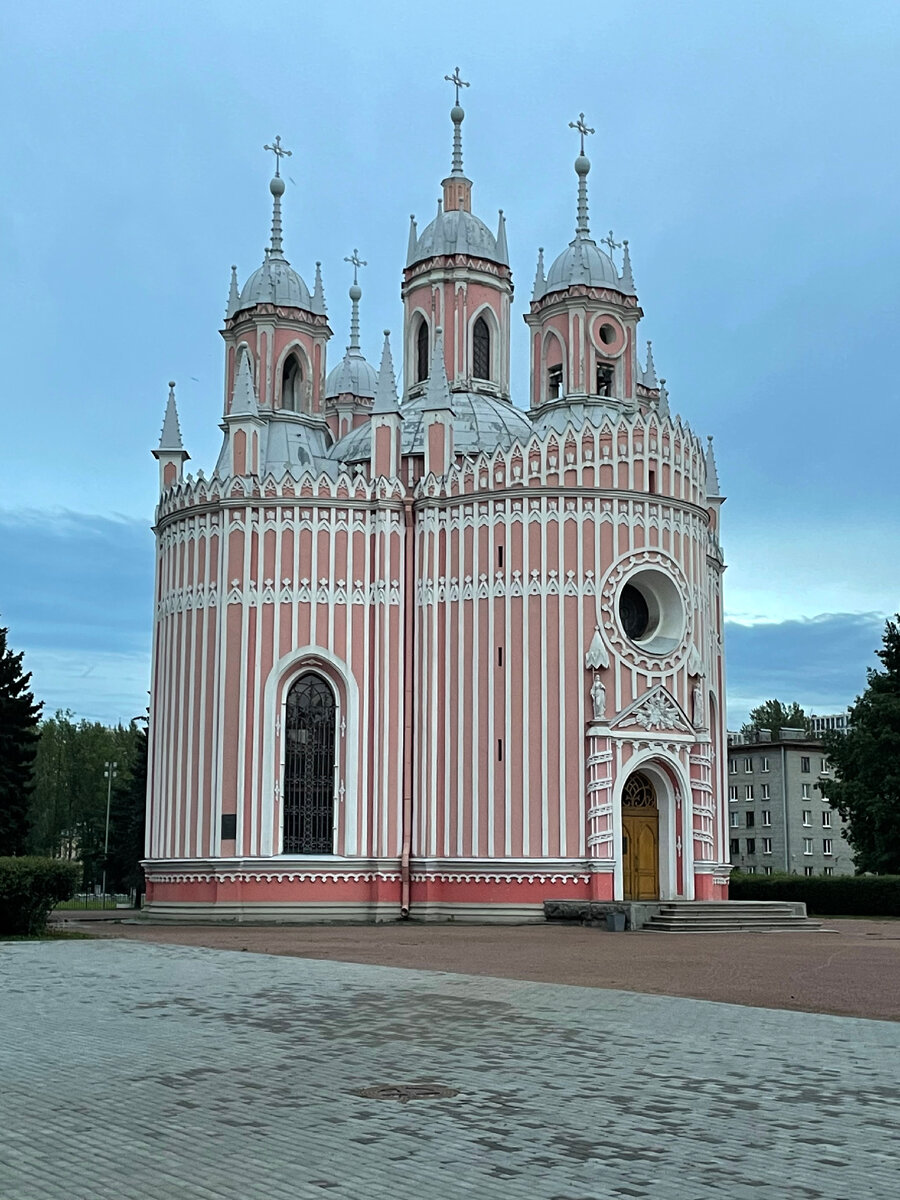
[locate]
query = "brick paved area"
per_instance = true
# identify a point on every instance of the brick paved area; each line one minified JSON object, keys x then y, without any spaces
{"x":136,"y":1070}
{"x":852,"y":971}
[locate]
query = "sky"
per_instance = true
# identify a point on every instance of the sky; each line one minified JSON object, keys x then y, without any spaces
{"x":747,"y":151}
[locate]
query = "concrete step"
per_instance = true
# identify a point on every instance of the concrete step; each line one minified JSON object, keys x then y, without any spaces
{"x":801,"y":925}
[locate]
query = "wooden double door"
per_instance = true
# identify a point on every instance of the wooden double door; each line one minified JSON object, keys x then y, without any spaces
{"x":640,"y":839}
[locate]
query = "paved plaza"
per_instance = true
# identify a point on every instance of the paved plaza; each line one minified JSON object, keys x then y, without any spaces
{"x":180,"y":1073}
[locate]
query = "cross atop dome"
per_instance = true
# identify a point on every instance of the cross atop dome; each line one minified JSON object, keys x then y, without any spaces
{"x":582,"y":129}
{"x":456,"y":116}
{"x":356,"y":263}
{"x":279,"y":151}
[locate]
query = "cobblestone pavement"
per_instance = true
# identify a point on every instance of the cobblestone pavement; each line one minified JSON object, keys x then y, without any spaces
{"x":135,"y":1070}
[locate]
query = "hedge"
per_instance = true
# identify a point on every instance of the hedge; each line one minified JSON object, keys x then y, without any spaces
{"x":29,"y":890}
{"x":824,"y":895}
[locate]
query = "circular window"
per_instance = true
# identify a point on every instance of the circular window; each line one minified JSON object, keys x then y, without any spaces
{"x":651,"y":611}
{"x":608,"y":335}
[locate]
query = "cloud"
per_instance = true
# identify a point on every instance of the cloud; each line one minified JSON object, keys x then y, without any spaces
{"x":818,"y":661}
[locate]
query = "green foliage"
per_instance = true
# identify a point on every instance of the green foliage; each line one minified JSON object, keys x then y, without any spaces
{"x":847,"y":895}
{"x":19,"y":716}
{"x":776,"y":716}
{"x":29,"y":890}
{"x":866,"y":762}
{"x":68,"y":812}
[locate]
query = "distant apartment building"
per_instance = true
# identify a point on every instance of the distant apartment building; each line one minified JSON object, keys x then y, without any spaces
{"x":779,"y":819}
{"x":830,"y":723}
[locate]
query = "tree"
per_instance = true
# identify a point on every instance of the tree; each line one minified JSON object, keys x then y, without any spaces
{"x":866,"y":762}
{"x":19,"y":715}
{"x":128,"y":816}
{"x":776,"y":716}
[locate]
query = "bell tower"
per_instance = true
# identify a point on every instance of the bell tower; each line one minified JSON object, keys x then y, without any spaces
{"x":457,"y":279}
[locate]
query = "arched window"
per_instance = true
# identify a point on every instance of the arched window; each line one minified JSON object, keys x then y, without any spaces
{"x":309,"y":758}
{"x":481,"y":350}
{"x":291,"y":383}
{"x":422,"y":351}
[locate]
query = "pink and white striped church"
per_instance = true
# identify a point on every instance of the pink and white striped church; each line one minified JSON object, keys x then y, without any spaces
{"x":433,"y":654}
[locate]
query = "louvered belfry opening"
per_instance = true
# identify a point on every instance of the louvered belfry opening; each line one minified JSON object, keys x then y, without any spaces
{"x":309,"y":733}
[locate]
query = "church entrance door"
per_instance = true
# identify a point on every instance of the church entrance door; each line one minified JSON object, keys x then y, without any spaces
{"x":640,"y":839}
{"x":309,"y":732}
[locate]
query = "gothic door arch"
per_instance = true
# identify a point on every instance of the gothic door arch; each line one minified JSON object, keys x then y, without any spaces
{"x":309,"y":767}
{"x":640,"y":839}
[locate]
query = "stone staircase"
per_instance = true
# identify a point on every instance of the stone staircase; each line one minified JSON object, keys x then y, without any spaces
{"x":731,"y":916}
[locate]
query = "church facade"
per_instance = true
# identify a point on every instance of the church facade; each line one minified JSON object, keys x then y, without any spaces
{"x":430,"y":654}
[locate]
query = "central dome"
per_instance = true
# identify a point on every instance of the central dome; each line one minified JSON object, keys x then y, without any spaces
{"x":456,"y":232}
{"x":275,"y":282}
{"x":352,"y":374}
{"x":583,"y":262}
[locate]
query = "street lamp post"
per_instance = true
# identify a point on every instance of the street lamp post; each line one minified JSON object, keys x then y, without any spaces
{"x":109,"y":774}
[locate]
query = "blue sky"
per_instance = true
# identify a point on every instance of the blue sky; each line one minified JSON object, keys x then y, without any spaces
{"x":748,"y":152}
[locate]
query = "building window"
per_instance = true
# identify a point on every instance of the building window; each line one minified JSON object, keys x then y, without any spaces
{"x":767,"y":870}
{"x":732,"y":766}
{"x":764,"y":763}
{"x":805,"y":791}
{"x":748,"y":766}
{"x":749,"y":820}
{"x":750,"y":870}
{"x":733,"y":792}
{"x":291,"y":384}
{"x":766,"y":816}
{"x":751,"y":845}
{"x":807,"y":816}
{"x":767,"y":845}
{"x":554,"y":382}
{"x":735,"y":820}
{"x":809,"y":870}
{"x":481,"y":349}
{"x":804,"y":764}
{"x":735,"y":846}
{"x":422,"y":351}
{"x":807,"y":845}
{"x":826,"y":846}
{"x":764,"y":794}
{"x":828,"y":870}
{"x":826,"y":819}
{"x":824,"y":766}
{"x":605,"y":377}
{"x":309,"y":767}
{"x":748,"y":792}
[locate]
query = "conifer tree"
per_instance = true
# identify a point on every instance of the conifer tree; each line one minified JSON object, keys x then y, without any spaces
{"x":866,"y":760}
{"x":19,"y":715}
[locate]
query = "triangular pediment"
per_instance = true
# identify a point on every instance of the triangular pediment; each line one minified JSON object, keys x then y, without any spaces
{"x":656,"y":710}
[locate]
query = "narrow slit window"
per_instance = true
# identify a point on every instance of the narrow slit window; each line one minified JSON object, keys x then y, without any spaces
{"x":499,"y":556}
{"x":604,"y":379}
{"x":422,"y":351}
{"x":291,"y":384}
{"x":481,"y":349}
{"x":499,"y":749}
{"x":499,"y":656}
{"x":554,"y":382}
{"x":651,"y":481}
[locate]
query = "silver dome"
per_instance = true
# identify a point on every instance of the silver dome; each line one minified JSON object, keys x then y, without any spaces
{"x":457,"y":232}
{"x":582,"y":262}
{"x":352,"y":374}
{"x":275,"y":282}
{"x":480,"y":423}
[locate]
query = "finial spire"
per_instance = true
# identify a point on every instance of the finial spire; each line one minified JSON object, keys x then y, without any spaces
{"x":502,"y":245}
{"x":582,"y":166}
{"x":413,"y":239}
{"x":627,"y":275}
{"x":233,"y":296}
{"x":437,"y":389}
{"x":456,"y":116}
{"x":170,"y":437}
{"x":650,"y":370}
{"x":539,"y":280}
{"x":276,"y":187}
{"x":355,"y":297}
{"x":243,"y":400}
{"x":386,"y":386}
{"x":318,"y":296}
{"x":713,"y":487}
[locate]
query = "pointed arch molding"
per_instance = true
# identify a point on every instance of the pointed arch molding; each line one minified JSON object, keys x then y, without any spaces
{"x":673,"y":791}
{"x":278,"y":683}
{"x":496,"y":358}
{"x":294,"y":346}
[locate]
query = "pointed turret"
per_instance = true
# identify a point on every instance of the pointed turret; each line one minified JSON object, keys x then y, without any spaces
{"x":318,"y":296}
{"x":713,"y":490}
{"x":413,"y":239}
{"x":244,"y":402}
{"x":170,"y":453}
{"x":233,"y":295}
{"x":502,"y":247}
{"x":386,"y":418}
{"x":539,"y":281}
{"x":627,"y":274}
{"x":353,"y":379}
{"x":649,"y":372}
{"x":243,"y":425}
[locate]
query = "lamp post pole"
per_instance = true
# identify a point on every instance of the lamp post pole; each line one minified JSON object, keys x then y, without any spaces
{"x":109,"y":773}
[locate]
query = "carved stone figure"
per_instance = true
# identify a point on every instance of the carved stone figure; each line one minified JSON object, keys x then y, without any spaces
{"x":697,"y":706}
{"x":598,"y":696}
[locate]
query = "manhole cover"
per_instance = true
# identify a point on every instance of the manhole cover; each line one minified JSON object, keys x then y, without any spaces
{"x":407,"y":1091}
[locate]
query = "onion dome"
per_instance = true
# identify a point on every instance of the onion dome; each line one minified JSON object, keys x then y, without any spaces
{"x":353,"y":374}
{"x":276,"y":281}
{"x":583,"y":262}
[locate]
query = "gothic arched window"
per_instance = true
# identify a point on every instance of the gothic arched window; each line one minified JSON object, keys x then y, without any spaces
{"x":422,"y":351}
{"x":309,"y":758}
{"x":481,"y":350}
{"x":291,"y":383}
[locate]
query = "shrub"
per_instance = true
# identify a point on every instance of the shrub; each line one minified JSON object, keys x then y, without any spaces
{"x":29,"y":889}
{"x":824,"y":895}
